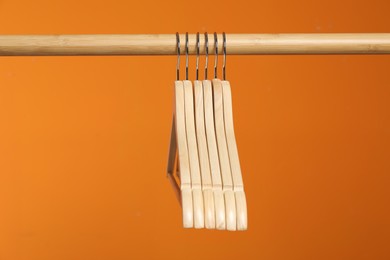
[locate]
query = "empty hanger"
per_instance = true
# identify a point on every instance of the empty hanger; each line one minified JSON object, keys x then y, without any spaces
{"x":238,"y":185}
{"x":227,"y":182}
{"x":180,"y":144}
{"x":211,"y":188}
{"x":219,"y":201}
{"x":196,"y":181}
{"x":204,"y":162}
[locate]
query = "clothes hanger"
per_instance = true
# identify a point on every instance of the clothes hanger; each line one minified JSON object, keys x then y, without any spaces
{"x":230,"y":202}
{"x":207,"y":185}
{"x":238,"y":185}
{"x":219,"y":201}
{"x":179,"y":142}
{"x":208,"y":157}
{"x":196,"y":181}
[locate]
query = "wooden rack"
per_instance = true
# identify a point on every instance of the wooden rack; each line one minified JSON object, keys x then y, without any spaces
{"x":165,"y":44}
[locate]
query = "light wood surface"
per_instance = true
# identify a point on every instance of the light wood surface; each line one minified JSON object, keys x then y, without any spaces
{"x":230,"y":136}
{"x":226,"y":174}
{"x":209,"y":209}
{"x":238,"y":185}
{"x":242,"y":211}
{"x":183,"y":159}
{"x":203,"y":134}
{"x":231,"y":211}
{"x":227,"y":182}
{"x":196,"y":181}
{"x":172,"y":149}
{"x":165,"y":44}
{"x":208,"y":197}
{"x":219,"y":201}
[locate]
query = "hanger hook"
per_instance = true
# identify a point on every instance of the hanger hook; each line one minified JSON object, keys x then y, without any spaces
{"x":206,"y":42}
{"x":178,"y":56}
{"x":224,"y":56}
{"x":197,"y":56}
{"x":186,"y":55}
{"x":216,"y":55}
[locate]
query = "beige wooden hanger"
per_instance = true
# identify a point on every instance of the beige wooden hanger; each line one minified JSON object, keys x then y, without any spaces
{"x":227,"y":181}
{"x":208,"y":197}
{"x":238,"y":185}
{"x":179,"y":142}
{"x":211,"y":189}
{"x":219,"y":200}
{"x":183,"y":157}
{"x":196,"y":181}
{"x":207,"y":185}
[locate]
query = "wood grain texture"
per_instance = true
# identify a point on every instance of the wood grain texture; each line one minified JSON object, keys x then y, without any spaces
{"x":242,"y":211}
{"x":172,"y":153}
{"x":231,"y":211}
{"x":230,"y":136}
{"x":196,"y":181}
{"x":238,"y":185}
{"x":165,"y":44}
{"x":221,"y":137}
{"x":183,"y":159}
{"x":227,"y":182}
{"x":220,"y":212}
{"x":216,"y":177}
{"x":201,"y":136}
{"x":209,"y":208}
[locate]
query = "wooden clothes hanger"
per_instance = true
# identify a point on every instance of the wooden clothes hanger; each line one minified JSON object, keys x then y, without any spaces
{"x":227,"y":182}
{"x":204,"y":161}
{"x":238,"y":184}
{"x":219,"y":200}
{"x":211,"y":189}
{"x":183,"y":162}
{"x":196,"y":181}
{"x":215,"y":170}
{"x":183,"y":135}
{"x":179,"y":147}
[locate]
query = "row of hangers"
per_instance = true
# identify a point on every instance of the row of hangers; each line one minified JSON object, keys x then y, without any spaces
{"x":203,"y":163}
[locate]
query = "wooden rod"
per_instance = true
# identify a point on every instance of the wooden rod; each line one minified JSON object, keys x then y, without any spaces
{"x":165,"y":44}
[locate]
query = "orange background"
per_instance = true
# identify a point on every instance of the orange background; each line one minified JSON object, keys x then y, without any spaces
{"x":84,"y":140}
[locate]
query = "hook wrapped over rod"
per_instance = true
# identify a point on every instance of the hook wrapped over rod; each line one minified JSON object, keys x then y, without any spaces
{"x":165,"y":44}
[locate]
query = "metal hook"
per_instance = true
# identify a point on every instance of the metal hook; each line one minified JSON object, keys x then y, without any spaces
{"x":206,"y":41}
{"x":197,"y":56}
{"x":178,"y":56}
{"x":216,"y":55}
{"x":186,"y":55}
{"x":224,"y":57}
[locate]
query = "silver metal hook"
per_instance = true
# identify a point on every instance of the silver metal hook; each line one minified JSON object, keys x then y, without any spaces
{"x":216,"y":55}
{"x":206,"y":41}
{"x":197,"y":56}
{"x":224,"y":57}
{"x":186,"y":55}
{"x":178,"y":56}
